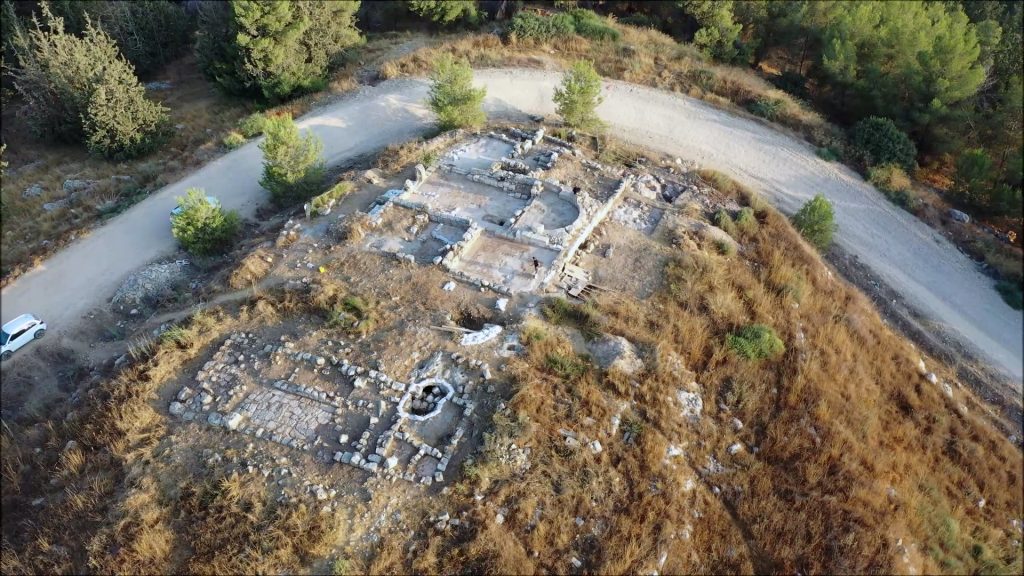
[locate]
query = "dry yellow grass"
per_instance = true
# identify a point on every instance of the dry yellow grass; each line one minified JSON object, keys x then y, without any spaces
{"x":251,"y":269}
{"x":855,"y":450}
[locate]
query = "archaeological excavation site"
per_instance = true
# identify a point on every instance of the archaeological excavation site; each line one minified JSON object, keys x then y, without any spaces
{"x":509,"y":350}
{"x":509,"y":217}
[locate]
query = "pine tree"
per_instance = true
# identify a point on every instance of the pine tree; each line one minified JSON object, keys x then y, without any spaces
{"x":292,"y":167}
{"x":150,"y":33}
{"x":203,"y":228}
{"x":81,"y":89}
{"x":718,"y":31}
{"x":816,"y":222}
{"x":445,"y":12}
{"x":579,"y":95}
{"x":452,"y":96}
{"x":119,"y":121}
{"x":272,"y":49}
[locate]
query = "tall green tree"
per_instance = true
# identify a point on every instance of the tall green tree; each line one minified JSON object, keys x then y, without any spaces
{"x":453,"y":98}
{"x":578,"y":96}
{"x":150,"y":33}
{"x":119,"y":121}
{"x":79,"y":89}
{"x":907,"y":60}
{"x":445,"y":12}
{"x":718,"y":30}
{"x":293,"y":169}
{"x":273,"y":50}
{"x":202,"y":228}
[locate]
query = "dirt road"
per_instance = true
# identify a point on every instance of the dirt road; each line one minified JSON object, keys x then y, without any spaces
{"x":921,"y":265}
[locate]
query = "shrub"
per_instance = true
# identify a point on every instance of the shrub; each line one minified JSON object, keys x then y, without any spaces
{"x":724,"y":221}
{"x":816,"y":222}
{"x":746,"y":222}
{"x":878,"y":141}
{"x":253,"y":125}
{"x":889,"y":178}
{"x":292,"y":167}
{"x":453,"y":98}
{"x":828,"y":154}
{"x":725,"y":248}
{"x":703,"y":77}
{"x":1011,"y":293}
{"x":756,"y":342}
{"x":533,"y":26}
{"x":767,"y":108}
{"x":233,"y":140}
{"x":589,"y":25}
{"x":642,"y":20}
{"x":583,"y":317}
{"x":430,"y":158}
{"x":579,"y":95}
{"x":203,"y":228}
{"x":565,"y":366}
{"x":329,"y":198}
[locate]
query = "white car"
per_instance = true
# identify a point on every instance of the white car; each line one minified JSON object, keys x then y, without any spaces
{"x":18,"y":332}
{"x":211,"y":200}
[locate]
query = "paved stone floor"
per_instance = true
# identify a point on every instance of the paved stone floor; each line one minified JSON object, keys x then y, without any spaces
{"x":320,"y":403}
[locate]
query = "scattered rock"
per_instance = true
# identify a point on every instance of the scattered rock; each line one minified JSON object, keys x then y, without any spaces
{"x":73,"y":185}
{"x":51,"y":206}
{"x":692,"y":403}
{"x":959,"y":216}
{"x":232,"y":421}
{"x":33,"y":191}
{"x":449,"y":286}
{"x":149,"y":283}
{"x":615,"y":352}
{"x":177,"y":409}
{"x":501,"y":304}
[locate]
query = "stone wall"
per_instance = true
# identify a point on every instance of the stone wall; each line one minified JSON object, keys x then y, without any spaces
{"x":595,"y":220}
{"x":231,"y":392}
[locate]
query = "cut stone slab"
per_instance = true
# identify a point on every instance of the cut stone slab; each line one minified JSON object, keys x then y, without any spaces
{"x":487,"y":333}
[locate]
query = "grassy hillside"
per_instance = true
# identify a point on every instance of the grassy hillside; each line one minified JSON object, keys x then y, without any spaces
{"x":848,"y":459}
{"x":836,"y":455}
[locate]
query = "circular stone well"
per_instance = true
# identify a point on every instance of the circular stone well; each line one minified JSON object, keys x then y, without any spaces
{"x":425,"y":399}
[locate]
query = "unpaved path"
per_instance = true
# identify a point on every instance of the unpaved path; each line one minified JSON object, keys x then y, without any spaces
{"x":917,"y":262}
